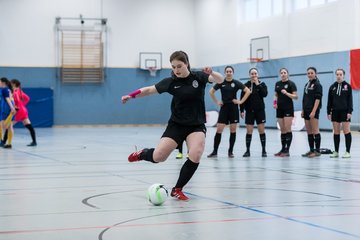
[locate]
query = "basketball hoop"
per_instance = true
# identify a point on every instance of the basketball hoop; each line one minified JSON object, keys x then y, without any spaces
{"x":254,"y":61}
{"x":152,"y":71}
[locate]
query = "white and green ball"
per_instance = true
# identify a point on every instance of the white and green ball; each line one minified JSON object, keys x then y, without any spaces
{"x":157,"y":194}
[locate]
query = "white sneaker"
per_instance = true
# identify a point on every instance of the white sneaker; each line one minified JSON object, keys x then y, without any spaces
{"x":334,"y":155}
{"x":346,"y":155}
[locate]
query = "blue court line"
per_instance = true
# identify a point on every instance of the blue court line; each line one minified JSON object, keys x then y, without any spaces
{"x":278,"y":216}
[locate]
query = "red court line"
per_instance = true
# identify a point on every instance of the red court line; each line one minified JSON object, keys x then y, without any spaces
{"x":165,"y":224}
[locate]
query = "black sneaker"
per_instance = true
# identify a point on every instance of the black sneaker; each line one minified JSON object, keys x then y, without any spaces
{"x":246,"y":154}
{"x":32,"y":144}
{"x":7,"y":146}
{"x":212,"y":155}
{"x":285,"y":154}
{"x":231,"y":155}
{"x":264,"y":154}
{"x":278,"y":154}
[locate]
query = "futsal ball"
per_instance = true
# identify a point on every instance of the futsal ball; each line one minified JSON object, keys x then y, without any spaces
{"x":157,"y":194}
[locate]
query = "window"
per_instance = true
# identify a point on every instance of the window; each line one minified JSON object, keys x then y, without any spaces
{"x":316,"y":2}
{"x":278,"y":7}
{"x":300,"y":4}
{"x":264,"y":7}
{"x":250,"y":10}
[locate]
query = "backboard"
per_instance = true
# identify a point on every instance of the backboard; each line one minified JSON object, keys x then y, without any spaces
{"x":150,"y":60}
{"x":260,"y":48}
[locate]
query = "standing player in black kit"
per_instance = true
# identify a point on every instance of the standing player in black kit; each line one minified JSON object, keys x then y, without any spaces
{"x":310,"y":112}
{"x":229,"y":111}
{"x":255,"y":110}
{"x":187,"y":117}
{"x":285,"y":92}
{"x":339,"y":110}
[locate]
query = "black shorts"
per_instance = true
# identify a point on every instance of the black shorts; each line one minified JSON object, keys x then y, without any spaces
{"x":179,"y":132}
{"x":281,"y":113}
{"x":229,"y":113}
{"x":252,"y":116}
{"x":339,"y":116}
{"x":307,"y":114}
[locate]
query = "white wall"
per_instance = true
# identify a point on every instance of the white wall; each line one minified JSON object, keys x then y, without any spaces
{"x":27,"y":35}
{"x":221,"y":39}
{"x":207,"y":29}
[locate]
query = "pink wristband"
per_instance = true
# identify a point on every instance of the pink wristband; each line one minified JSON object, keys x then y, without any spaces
{"x":275,"y":102}
{"x":134,"y":93}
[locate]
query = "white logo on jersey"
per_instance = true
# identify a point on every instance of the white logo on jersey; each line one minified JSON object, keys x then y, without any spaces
{"x":286,"y":86}
{"x":176,"y":87}
{"x":232,"y":85}
{"x":195,"y":84}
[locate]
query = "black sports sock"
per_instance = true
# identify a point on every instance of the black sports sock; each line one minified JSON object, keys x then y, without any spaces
{"x":147,"y":155}
{"x":248,"y":141}
{"x":336,"y":142}
{"x":217,"y":140}
{"x":263,"y":141}
{"x":232,"y":142}
{"x":186,"y":172}
{"x":283,"y":142}
{"x":180,"y":147}
{"x":311,"y":142}
{"x":4,"y":140}
{"x":317,"y":139}
{"x":32,"y":132}
{"x":289,"y":137}
{"x":348,"y":142}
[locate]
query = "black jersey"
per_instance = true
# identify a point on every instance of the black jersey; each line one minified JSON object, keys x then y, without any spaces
{"x":312,"y":91}
{"x":340,"y":97}
{"x":229,"y":90}
{"x":188,"y":104}
{"x":283,"y":101}
{"x":256,"y":99}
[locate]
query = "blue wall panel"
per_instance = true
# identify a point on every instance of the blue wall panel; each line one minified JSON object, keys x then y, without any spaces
{"x":101,"y":104}
{"x":40,"y":107}
{"x":326,"y":64}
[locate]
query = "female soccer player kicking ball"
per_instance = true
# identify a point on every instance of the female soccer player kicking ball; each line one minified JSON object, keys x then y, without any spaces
{"x":187,"y":121}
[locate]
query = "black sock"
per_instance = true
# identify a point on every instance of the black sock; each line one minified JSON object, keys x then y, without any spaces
{"x":217,"y":140}
{"x":311,"y":142}
{"x":4,"y":140}
{"x":186,"y":172}
{"x":348,"y":142}
{"x":232,"y":142}
{"x":336,"y":142}
{"x":32,"y":132}
{"x":289,"y":137}
{"x":317,"y":139}
{"x":180,"y":147}
{"x":283,"y":142}
{"x":263,"y":141}
{"x":147,"y":155}
{"x":248,"y":141}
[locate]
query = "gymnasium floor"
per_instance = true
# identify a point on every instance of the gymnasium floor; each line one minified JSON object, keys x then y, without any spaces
{"x":77,"y":184}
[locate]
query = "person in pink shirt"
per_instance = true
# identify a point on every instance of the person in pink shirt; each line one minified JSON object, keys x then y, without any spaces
{"x":21,"y":99}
